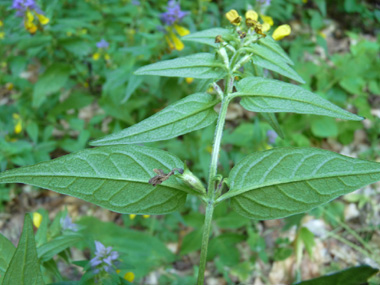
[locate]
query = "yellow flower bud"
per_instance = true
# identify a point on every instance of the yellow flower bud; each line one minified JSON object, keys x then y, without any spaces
{"x":129,"y":276}
{"x":281,"y":32}
{"x":189,"y":80}
{"x":107,"y":56}
{"x":37,"y":219}
{"x":233,"y":17}
{"x":267,"y":19}
{"x":43,"y":20}
{"x":182,"y":31}
{"x":9,"y":86}
{"x":252,"y":15}
{"x":146,"y":216}
{"x":132,"y":216}
{"x":96,"y":56}
{"x":16,"y":116}
{"x":2,"y":35}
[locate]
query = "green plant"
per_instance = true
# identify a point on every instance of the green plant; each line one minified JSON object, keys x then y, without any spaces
{"x":280,"y":182}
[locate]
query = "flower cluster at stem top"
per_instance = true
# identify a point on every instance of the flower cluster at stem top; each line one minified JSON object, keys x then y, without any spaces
{"x":170,"y":21}
{"x":29,"y":10}
{"x":253,"y":25}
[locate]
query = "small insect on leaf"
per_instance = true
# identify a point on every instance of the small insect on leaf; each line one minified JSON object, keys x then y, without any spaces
{"x":161,"y":176}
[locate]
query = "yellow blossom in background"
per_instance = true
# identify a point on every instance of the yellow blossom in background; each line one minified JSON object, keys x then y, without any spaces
{"x":182,"y":31}
{"x":281,"y":32}
{"x":173,"y":41}
{"x":107,"y":56}
{"x":304,"y":1}
{"x":96,"y":56}
{"x":1,"y":23}
{"x":2,"y":35}
{"x":189,"y":80}
{"x":234,"y":17}
{"x":43,"y":20}
{"x":322,"y":34}
{"x":146,"y":216}
{"x":132,"y":216}
{"x":265,"y":27}
{"x":18,"y":126}
{"x":37,"y":219}
{"x":267,"y":20}
{"x":9,"y":86}
{"x":129,"y":276}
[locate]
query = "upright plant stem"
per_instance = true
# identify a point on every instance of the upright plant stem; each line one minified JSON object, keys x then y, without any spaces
{"x":205,"y":239}
{"x":211,"y":181}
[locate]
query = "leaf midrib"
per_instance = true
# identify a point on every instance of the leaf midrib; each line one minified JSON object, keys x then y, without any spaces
{"x":236,"y":94}
{"x":79,"y":176}
{"x":231,"y":194}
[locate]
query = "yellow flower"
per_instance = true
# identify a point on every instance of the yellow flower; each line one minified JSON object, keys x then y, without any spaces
{"x":146,"y":216}
{"x":252,"y":15}
{"x":171,"y":46}
{"x":43,"y":20}
{"x":37,"y":219}
{"x":29,"y":16}
{"x":1,"y":23}
{"x":267,"y":19}
{"x":129,"y":276}
{"x":176,"y":42}
{"x":132,"y":216}
{"x":233,"y":17}
{"x":96,"y":56}
{"x":107,"y":56}
{"x":182,"y":31}
{"x":2,"y":35}
{"x":189,"y":80}
{"x":69,"y":34}
{"x":265,"y":27}
{"x":281,"y":32}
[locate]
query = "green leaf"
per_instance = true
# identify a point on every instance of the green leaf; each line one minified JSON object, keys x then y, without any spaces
{"x":7,"y":250}
{"x":224,"y":247}
{"x":24,"y":267}
{"x":133,"y":83}
{"x":272,"y":120}
{"x":286,"y":181}
{"x":271,"y":44}
{"x":199,"y":65}
{"x":53,"y":79}
{"x":268,"y":59}
{"x":57,"y":245}
{"x":207,"y":37}
{"x":192,"y":241}
{"x":268,"y":95}
{"x":189,"y":114}
{"x":113,"y":177}
{"x":350,"y":276}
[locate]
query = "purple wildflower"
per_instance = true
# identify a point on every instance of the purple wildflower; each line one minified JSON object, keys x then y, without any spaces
{"x":136,"y":2}
{"x":272,"y":136}
{"x":102,"y":44}
{"x":22,"y":5}
{"x":67,"y":224}
{"x":104,"y":257}
{"x":173,"y":13}
{"x":264,"y":2}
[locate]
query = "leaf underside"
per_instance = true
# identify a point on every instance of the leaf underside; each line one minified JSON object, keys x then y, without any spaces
{"x":271,"y":44}
{"x":207,"y":37}
{"x":199,"y":65}
{"x":286,"y":181}
{"x":268,"y":95}
{"x":189,"y":114}
{"x":113,"y":177}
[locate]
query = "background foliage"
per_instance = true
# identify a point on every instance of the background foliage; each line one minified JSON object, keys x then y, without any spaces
{"x":58,"y":91}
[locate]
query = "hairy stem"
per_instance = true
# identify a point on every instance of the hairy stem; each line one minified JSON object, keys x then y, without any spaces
{"x":211,"y":179}
{"x":205,"y":239}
